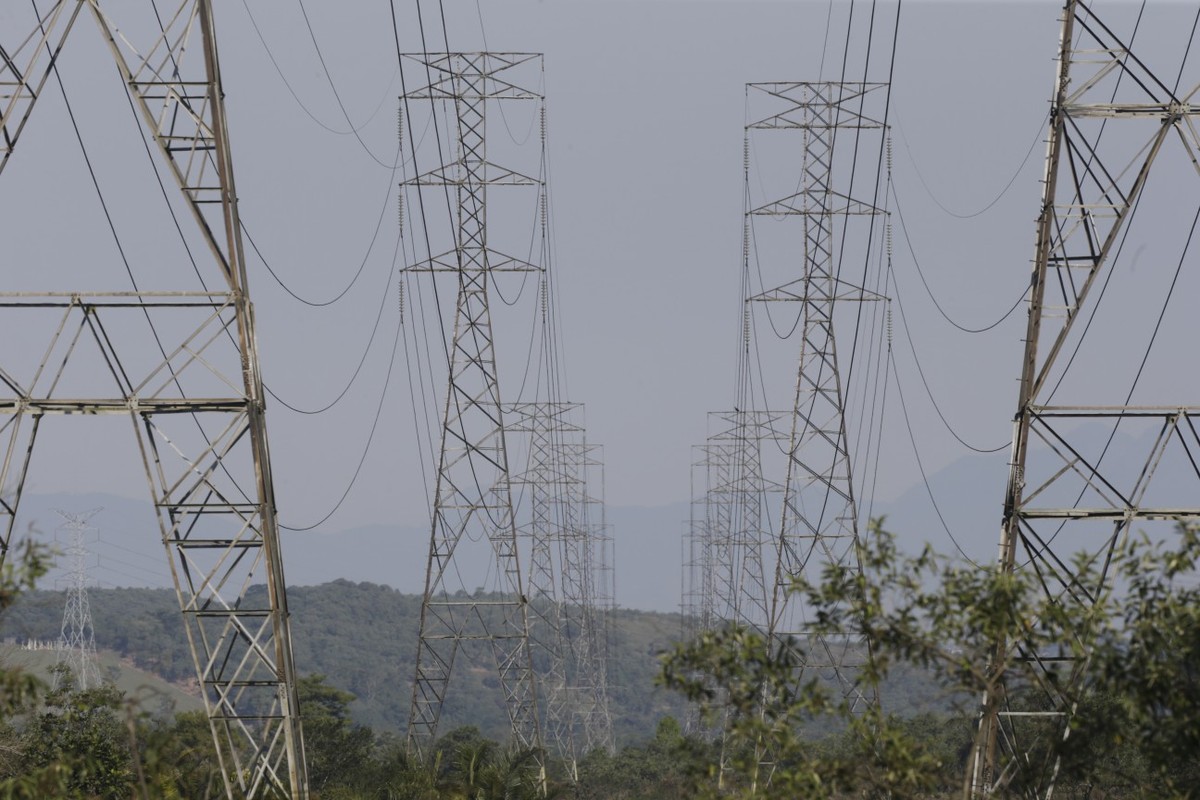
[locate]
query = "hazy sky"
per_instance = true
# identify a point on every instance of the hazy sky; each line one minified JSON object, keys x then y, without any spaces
{"x":645,"y":104}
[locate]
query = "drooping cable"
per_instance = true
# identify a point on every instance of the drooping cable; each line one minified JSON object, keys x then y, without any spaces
{"x":925,"y":382}
{"x":991,"y":204}
{"x":357,"y":370}
{"x":1186,"y":52}
{"x":921,"y":465}
{"x":430,"y":425}
{"x":336,"y":95}
{"x":853,"y":171}
{"x":357,"y":274}
{"x":929,"y":290}
{"x":872,"y":415}
{"x":295,"y":96}
{"x":366,"y":447}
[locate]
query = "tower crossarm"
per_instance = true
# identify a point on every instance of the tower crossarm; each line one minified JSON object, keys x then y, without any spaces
{"x":817,"y":105}
{"x":801,"y":291}
{"x":496,"y":261}
{"x":445,"y":70}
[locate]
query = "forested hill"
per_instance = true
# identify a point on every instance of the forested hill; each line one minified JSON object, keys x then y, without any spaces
{"x":363,"y":637}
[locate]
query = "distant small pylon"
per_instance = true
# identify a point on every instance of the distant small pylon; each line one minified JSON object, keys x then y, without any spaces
{"x":77,"y":641}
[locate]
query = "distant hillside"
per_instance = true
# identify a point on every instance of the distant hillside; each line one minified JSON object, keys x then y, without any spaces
{"x":363,"y":637}
{"x":127,"y":547}
{"x":150,"y":692}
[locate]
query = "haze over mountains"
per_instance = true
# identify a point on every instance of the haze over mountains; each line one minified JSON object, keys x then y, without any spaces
{"x":648,"y":539}
{"x":969,"y":493}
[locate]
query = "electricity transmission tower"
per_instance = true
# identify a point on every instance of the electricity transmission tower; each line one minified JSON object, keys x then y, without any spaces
{"x":725,"y":570}
{"x":77,"y":640}
{"x":698,"y":598}
{"x":727,"y":544}
{"x":182,"y":365}
{"x":569,"y":622}
{"x":819,"y":522}
{"x":1089,"y":465}
{"x":586,"y":576}
{"x":473,"y":503}
{"x":736,"y":515}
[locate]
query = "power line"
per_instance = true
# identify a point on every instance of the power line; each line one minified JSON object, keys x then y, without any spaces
{"x":362,"y":264}
{"x":357,"y":370}
{"x":929,"y":290}
{"x":925,"y":382}
{"x":988,"y":207}
{"x":366,"y":448}
{"x":353,"y":130}
{"x":336,"y":95}
{"x":921,"y":466}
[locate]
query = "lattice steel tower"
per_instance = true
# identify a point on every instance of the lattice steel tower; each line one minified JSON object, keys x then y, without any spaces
{"x":1077,"y":484}
{"x":181,"y":363}
{"x":736,"y":510}
{"x":77,"y":638}
{"x":473,"y":493}
{"x":569,"y":622}
{"x":819,"y":517}
{"x":728,"y":544}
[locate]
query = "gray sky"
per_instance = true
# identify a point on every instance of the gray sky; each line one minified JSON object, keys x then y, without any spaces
{"x":646,"y":106}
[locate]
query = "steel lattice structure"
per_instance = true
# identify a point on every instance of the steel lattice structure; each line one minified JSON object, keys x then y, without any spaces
{"x":562,"y":588}
{"x":77,"y":639}
{"x":736,"y":511}
{"x":697,"y":600}
{"x":727,"y":543}
{"x":193,"y":391}
{"x":819,"y":522}
{"x":473,"y":500}
{"x":1112,"y":119}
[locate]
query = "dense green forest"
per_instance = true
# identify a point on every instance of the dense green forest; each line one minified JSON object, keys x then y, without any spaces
{"x":363,"y":637}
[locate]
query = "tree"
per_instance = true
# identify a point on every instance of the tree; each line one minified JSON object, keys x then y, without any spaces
{"x":471,"y":767}
{"x":336,"y":750}
{"x":178,"y":759}
{"x":940,"y":616}
{"x":74,"y":746}
{"x":671,"y":765}
{"x":1140,"y":723}
{"x":27,"y":562}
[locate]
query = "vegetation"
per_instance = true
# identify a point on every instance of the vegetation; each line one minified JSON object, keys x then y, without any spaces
{"x":1135,"y":733}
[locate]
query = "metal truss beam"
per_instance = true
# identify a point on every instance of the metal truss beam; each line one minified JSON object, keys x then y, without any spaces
{"x":25,"y":66}
{"x":195,"y":398}
{"x":1111,"y":120}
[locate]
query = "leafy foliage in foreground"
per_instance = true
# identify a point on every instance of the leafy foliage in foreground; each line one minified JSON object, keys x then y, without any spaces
{"x":1135,"y":732}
